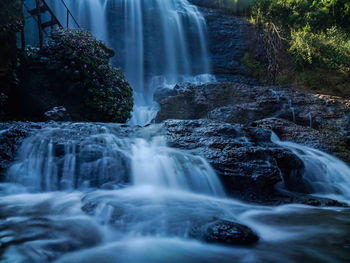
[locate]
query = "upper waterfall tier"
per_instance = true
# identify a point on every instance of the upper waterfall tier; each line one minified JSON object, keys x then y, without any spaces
{"x":152,"y":38}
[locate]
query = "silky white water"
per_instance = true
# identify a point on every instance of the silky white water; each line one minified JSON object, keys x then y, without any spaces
{"x":104,"y":157}
{"x":81,"y":192}
{"x":153,"y":39}
{"x":327,"y":175}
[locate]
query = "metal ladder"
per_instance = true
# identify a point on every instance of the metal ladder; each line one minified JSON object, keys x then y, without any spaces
{"x":42,"y":7}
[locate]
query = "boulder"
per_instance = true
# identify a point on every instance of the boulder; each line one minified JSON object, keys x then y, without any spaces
{"x":57,"y":114}
{"x":224,"y":232}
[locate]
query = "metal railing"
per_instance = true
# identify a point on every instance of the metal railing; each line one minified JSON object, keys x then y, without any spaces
{"x":42,"y":7}
{"x":69,"y":14}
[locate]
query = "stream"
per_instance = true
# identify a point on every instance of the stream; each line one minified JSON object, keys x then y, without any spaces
{"x":93,"y":192}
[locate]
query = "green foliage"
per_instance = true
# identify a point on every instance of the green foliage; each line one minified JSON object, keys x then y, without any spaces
{"x":316,"y":33}
{"x":330,"y":49}
{"x":296,"y":14}
{"x":77,"y":69}
{"x":253,"y":65}
{"x":11,"y":17}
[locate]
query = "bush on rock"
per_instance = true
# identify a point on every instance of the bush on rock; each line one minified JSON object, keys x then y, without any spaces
{"x":74,"y":70}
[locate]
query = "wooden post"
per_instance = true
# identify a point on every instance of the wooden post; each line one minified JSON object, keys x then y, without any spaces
{"x":38,"y":7}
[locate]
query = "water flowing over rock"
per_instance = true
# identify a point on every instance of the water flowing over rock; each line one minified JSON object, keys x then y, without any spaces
{"x":174,"y":191}
{"x":69,"y":156}
{"x":159,"y":43}
{"x":319,"y":121}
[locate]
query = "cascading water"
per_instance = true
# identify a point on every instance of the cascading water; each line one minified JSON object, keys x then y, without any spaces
{"x":81,"y":192}
{"x":55,"y":159}
{"x":158,"y":43}
{"x":326,"y":174}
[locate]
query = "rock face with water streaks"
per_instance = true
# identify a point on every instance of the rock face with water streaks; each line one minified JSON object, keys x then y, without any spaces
{"x":320,"y":121}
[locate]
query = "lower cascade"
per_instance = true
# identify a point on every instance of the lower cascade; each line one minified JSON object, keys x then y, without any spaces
{"x":57,"y":159}
{"x":111,"y":193}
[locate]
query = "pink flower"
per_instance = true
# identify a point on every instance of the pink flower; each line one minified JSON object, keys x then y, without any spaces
{"x":85,"y":66}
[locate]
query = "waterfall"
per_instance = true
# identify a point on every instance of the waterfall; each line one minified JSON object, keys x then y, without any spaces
{"x":158,"y":43}
{"x":327,"y":175}
{"x":64,"y":158}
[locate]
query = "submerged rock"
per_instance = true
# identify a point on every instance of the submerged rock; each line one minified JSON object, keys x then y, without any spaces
{"x":57,"y":114}
{"x":224,"y":232}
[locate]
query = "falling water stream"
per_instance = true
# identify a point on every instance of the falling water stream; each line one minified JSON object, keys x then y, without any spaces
{"x":84,"y":192}
{"x":158,"y":43}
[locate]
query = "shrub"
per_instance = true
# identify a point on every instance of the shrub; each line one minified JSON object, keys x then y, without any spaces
{"x":330,"y":49}
{"x":11,"y":22}
{"x":79,"y":74}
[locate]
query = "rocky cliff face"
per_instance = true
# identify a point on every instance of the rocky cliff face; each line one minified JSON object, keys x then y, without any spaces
{"x":230,"y":38}
{"x":230,"y":124}
{"x":320,"y":121}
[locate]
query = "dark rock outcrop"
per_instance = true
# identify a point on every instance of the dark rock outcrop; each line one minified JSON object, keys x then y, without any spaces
{"x":224,"y":232}
{"x":319,"y":121}
{"x":229,"y":39}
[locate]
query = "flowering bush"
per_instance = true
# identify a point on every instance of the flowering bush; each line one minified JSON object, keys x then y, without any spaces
{"x":80,"y":77}
{"x":84,"y":61}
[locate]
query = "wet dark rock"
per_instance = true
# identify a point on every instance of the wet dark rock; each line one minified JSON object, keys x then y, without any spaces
{"x":229,"y":39}
{"x":224,"y":232}
{"x":241,"y":103}
{"x":329,"y":139}
{"x":250,"y":166}
{"x":283,"y":196}
{"x":57,"y":114}
{"x":11,"y":136}
{"x":248,"y":163}
{"x":318,"y":121}
{"x":73,"y":138}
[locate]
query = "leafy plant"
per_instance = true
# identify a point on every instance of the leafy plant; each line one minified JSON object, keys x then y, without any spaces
{"x":77,"y":69}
